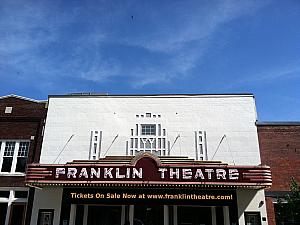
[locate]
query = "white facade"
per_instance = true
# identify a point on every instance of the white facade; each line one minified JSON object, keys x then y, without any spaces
{"x":226,"y":124}
{"x":71,"y":120}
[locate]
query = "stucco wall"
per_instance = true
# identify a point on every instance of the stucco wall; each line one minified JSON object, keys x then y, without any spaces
{"x":47,"y":198}
{"x":233,"y":116}
{"x":251,"y":201}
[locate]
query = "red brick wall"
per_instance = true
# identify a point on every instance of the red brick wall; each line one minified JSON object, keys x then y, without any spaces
{"x":270,"y":211}
{"x":10,"y":181}
{"x":26,"y":120}
{"x":280,"y":149}
{"x":22,"y":108}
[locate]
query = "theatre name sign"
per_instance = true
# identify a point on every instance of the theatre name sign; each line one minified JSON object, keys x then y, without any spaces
{"x":147,"y":171}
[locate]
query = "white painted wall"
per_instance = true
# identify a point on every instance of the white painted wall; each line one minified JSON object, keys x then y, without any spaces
{"x":47,"y":198}
{"x":251,"y":201}
{"x":233,"y":116}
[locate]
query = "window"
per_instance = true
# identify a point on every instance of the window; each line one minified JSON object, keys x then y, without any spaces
{"x":8,"y":156}
{"x":3,"y":211}
{"x":13,"y":205}
{"x":17,"y":213}
{"x":13,"y":156}
{"x":21,"y":194}
{"x":22,"y":156}
{"x":45,"y":217}
{"x":252,"y":218}
{"x":4,"y":194}
{"x":148,"y":129}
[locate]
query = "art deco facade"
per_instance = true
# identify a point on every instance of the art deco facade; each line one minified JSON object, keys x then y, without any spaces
{"x":150,"y":159}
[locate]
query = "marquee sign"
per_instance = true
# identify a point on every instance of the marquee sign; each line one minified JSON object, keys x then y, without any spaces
{"x":146,"y":170}
{"x":144,"y":196}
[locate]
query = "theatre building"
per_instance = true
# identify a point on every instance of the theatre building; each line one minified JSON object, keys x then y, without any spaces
{"x":21,"y":124}
{"x":150,"y":160}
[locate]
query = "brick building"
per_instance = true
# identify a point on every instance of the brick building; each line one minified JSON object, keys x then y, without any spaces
{"x":21,"y":125}
{"x":280,"y":149}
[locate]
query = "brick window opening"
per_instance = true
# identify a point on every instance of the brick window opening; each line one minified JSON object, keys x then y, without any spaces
{"x":13,"y":156}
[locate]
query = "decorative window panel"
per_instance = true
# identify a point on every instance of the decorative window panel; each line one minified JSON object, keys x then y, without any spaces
{"x":95,"y":145}
{"x":200,"y":145}
{"x":152,"y":138}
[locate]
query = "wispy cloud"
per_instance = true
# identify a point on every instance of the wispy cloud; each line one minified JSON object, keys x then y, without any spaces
{"x":193,"y":22}
{"x":187,"y":42}
{"x":100,"y":72}
{"x":276,"y":73}
{"x":53,"y":42}
{"x":29,"y":25}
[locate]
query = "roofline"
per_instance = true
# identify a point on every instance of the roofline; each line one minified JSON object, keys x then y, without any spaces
{"x":23,"y":98}
{"x":278,"y":123}
{"x":106,"y":95}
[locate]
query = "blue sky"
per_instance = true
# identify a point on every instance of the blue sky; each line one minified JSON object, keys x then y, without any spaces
{"x":144,"y":47}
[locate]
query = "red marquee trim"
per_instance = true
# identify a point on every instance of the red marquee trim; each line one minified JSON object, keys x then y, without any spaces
{"x":147,"y":170}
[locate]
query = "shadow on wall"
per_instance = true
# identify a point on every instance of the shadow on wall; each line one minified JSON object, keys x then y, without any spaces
{"x":244,"y":198}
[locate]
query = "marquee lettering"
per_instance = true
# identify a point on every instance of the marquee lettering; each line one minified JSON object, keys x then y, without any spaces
{"x":137,"y":173}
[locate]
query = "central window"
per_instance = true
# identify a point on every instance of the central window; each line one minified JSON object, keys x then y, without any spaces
{"x":150,"y":137}
{"x":148,"y":129}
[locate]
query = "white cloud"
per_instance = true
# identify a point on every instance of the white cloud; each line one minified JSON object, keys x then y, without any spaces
{"x":100,"y":72}
{"x":180,"y":32}
{"x":27,"y":26}
{"x":261,"y":77}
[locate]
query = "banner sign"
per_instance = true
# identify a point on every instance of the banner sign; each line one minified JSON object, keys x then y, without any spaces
{"x":159,"y":196}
